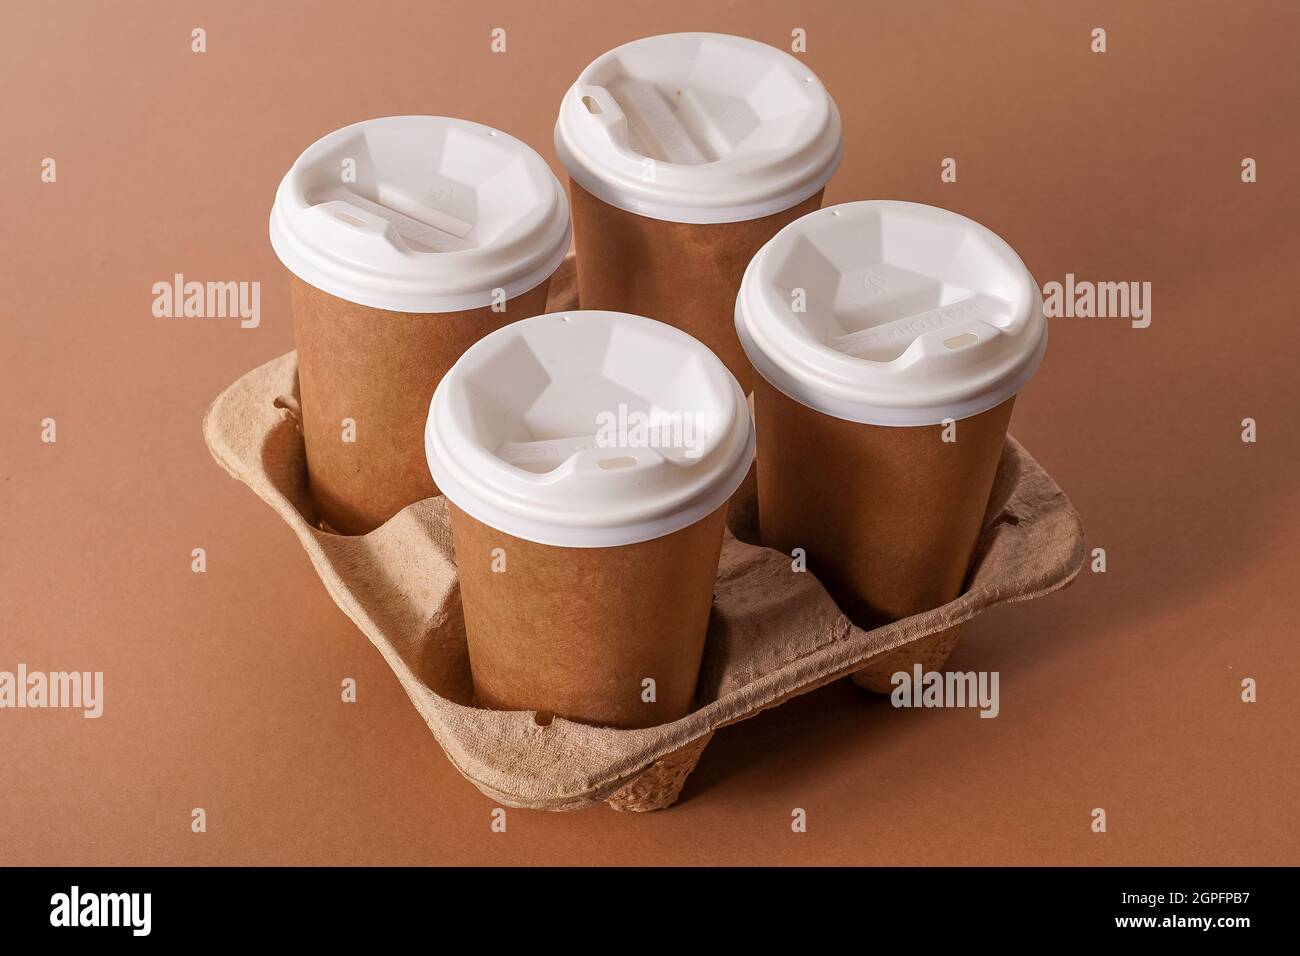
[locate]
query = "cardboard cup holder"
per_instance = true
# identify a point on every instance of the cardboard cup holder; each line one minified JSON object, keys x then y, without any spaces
{"x":773,"y":634}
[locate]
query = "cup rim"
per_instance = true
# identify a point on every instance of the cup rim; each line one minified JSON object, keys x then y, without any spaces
{"x":916,"y":387}
{"x":370,"y":260}
{"x":572,"y":503}
{"x":739,"y":186}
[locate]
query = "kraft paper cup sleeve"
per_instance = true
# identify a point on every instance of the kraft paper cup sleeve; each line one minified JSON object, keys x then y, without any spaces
{"x":685,"y":274}
{"x":379,"y":369}
{"x":542,"y":638}
{"x":773,"y":634}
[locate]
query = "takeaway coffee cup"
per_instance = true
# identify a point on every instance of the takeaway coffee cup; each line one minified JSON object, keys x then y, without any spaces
{"x":685,"y":154}
{"x":408,"y":239}
{"x":889,"y":340}
{"x":588,"y":458}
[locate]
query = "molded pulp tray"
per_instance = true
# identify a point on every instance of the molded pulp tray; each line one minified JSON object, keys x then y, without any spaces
{"x":773,"y":634}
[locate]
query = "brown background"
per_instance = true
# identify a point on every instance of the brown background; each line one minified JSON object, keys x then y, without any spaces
{"x":222,"y":689}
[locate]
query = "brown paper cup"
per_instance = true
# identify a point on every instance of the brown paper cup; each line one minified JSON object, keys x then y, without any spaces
{"x":870,"y":322}
{"x":685,"y":274}
{"x":377,"y":370}
{"x":587,"y":541}
{"x":400,"y":233}
{"x":887,"y":516}
{"x":578,"y":631}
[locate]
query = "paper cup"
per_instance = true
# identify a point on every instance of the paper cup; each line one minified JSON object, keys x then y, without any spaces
{"x":686,"y":153}
{"x":408,"y":239}
{"x":575,"y":637}
{"x":588,"y":458}
{"x":890,"y":340}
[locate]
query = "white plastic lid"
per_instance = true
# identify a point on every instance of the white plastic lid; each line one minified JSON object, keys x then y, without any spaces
{"x":420,"y":214}
{"x":540,"y":430}
{"x":911,"y":314}
{"x":699,"y":127}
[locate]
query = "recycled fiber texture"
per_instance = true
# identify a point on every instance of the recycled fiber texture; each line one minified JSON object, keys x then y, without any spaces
{"x":772,"y":634}
{"x":684,"y":274}
{"x":377,"y":369}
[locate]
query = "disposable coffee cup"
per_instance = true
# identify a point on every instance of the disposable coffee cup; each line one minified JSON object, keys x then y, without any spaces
{"x":686,"y":153}
{"x":588,"y":458}
{"x":408,"y":238}
{"x":890,"y":340}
